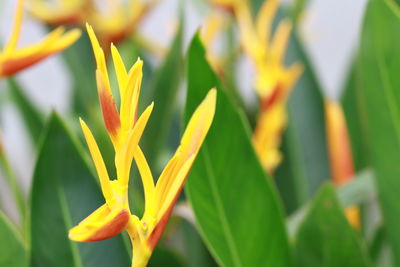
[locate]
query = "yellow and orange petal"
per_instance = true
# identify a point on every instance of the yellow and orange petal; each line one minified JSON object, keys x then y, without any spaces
{"x":342,"y":167}
{"x":60,"y":12}
{"x":340,"y":156}
{"x":102,"y":224}
{"x":13,"y":59}
{"x":173,"y":177}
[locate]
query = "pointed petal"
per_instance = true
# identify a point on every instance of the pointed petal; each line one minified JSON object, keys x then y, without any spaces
{"x":108,"y":108}
{"x":120,"y":69}
{"x":191,"y":142}
{"x":265,"y":18}
{"x":11,"y":63}
{"x":248,"y":35}
{"x":280,"y":41}
{"x":98,"y":161}
{"x":294,"y":73}
{"x":169,"y":203}
{"x":65,"y":41}
{"x":59,"y":14}
{"x":102,"y":224}
{"x":146,"y":176}
{"x":130,"y":95}
{"x":340,"y":156}
{"x":16,"y":28}
{"x":199,"y":125}
{"x":124,"y":160}
{"x":99,"y":55}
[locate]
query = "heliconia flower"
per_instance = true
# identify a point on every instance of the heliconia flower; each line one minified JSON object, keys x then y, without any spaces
{"x":120,"y":19}
{"x":13,"y":59}
{"x":228,"y":5}
{"x":61,"y":12}
{"x":274,"y":81}
{"x":340,"y":155}
{"x":125,"y":128}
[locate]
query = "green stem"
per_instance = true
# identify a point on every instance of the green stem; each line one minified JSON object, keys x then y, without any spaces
{"x":13,"y":183}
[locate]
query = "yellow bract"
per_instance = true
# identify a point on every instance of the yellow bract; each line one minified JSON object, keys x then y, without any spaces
{"x":13,"y":59}
{"x":273,"y":81}
{"x":125,"y":130}
{"x":113,"y":23}
{"x":60,"y":12}
{"x":340,"y":156}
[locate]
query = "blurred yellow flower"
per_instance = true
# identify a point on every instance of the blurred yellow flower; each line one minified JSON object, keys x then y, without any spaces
{"x":119,"y":20}
{"x":273,"y":81}
{"x":13,"y":59}
{"x":228,"y":5}
{"x":61,"y":12}
{"x":340,"y":155}
{"x":114,"y":20}
{"x":125,"y":130}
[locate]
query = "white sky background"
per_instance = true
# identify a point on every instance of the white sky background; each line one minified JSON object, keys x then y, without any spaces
{"x":330,"y":31}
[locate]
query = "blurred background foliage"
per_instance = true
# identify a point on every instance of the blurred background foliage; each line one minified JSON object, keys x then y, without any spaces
{"x":232,"y":212}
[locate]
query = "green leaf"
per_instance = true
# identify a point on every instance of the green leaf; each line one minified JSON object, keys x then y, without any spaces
{"x":29,"y":113}
{"x":13,"y":253}
{"x":235,"y":204}
{"x":165,"y":257}
{"x":358,"y":191}
{"x":379,"y":63}
{"x":298,"y":9}
{"x":325,"y":239}
{"x":64,"y":192}
{"x":164,"y":91}
{"x":305,"y":165}
{"x":355,"y":120}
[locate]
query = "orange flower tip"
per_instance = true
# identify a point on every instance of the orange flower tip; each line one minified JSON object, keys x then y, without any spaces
{"x":268,"y":101}
{"x":155,"y":236}
{"x":110,"y":112}
{"x":95,"y":228}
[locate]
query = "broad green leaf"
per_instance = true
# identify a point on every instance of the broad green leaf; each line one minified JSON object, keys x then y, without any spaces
{"x":165,"y":257}
{"x":358,"y":191}
{"x":379,"y":63}
{"x":355,"y":119}
{"x":235,"y":204}
{"x":163,"y":90}
{"x":298,"y":9}
{"x":29,"y":113}
{"x":325,"y":239}
{"x":12,"y":250}
{"x":305,"y":164}
{"x":64,"y":192}
{"x":195,"y":251}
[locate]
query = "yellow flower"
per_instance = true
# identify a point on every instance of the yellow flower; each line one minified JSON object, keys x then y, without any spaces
{"x":340,"y":156}
{"x":119,"y":20}
{"x":273,"y":81}
{"x":114,"y":20}
{"x":228,"y":5}
{"x":125,"y":130}
{"x":13,"y":59}
{"x":60,"y":12}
